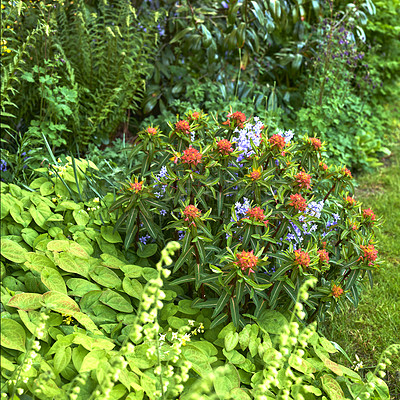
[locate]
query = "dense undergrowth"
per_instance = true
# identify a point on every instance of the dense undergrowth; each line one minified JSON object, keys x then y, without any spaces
{"x":179,"y":218}
{"x":369,"y":329}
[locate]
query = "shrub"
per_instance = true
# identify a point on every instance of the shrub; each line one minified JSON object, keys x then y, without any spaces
{"x":256,"y":212}
{"x":48,"y":356}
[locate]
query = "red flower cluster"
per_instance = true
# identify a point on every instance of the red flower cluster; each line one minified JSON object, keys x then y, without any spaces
{"x":238,"y":118}
{"x":302,"y":258}
{"x":370,"y":253}
{"x":346,"y":172}
{"x":191,"y":212}
{"x":151,"y":131}
{"x":255,"y":174}
{"x":191,"y":156}
{"x":195,"y":116}
{"x":298,"y":202}
{"x":303,"y":179}
{"x":323,"y":256}
{"x":246,"y":261}
{"x":368,"y":214}
{"x":316,"y":143}
{"x":350,"y":202}
{"x":136,"y":186}
{"x":277,"y":141}
{"x":337,"y":291}
{"x":323,"y":166}
{"x":224,"y":147}
{"x":258,"y":214}
{"x":183,"y":127}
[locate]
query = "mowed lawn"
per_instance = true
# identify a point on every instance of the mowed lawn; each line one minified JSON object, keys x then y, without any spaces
{"x":370,"y":329}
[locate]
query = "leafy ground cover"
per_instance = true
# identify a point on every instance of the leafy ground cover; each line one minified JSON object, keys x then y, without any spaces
{"x":374,"y":325}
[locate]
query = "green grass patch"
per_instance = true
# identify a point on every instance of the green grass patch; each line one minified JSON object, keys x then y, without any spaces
{"x":368,"y":330}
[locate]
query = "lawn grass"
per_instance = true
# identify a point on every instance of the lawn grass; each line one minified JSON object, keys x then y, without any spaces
{"x":368,"y":330}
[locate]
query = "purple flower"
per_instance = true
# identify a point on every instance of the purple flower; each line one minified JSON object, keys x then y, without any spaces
{"x":241,"y":209}
{"x":163,"y":212}
{"x":181,"y":235}
{"x":144,"y":239}
{"x":3,"y":165}
{"x":247,"y":135}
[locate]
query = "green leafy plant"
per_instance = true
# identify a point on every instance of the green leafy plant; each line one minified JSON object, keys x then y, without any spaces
{"x":68,"y":89}
{"x":256,"y":213}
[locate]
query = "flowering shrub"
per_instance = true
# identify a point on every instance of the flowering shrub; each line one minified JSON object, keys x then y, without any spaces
{"x":256,"y":213}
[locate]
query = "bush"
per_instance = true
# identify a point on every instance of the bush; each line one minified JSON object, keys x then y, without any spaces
{"x":48,"y":356}
{"x":256,"y":213}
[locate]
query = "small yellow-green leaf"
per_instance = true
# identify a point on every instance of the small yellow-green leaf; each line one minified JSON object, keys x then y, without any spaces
{"x":60,"y":302}
{"x":12,"y":335}
{"x":26,"y":301}
{"x":53,"y":280}
{"x":12,"y":251}
{"x":61,"y":359}
{"x":107,"y":232}
{"x":332,"y":387}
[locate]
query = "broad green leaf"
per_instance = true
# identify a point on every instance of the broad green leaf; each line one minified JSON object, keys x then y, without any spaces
{"x":46,"y":188}
{"x":58,"y":245}
{"x":199,"y":360}
{"x":234,"y":357}
{"x":226,"y":379}
{"x":91,"y":360}
{"x":79,"y":287}
{"x":12,"y":251}
{"x":116,"y":301}
{"x":132,"y":287}
{"x":60,"y":302}
{"x":239,"y":394}
{"x":40,"y":214}
{"x":301,"y":365}
{"x":86,"y":321}
{"x":328,"y":363}
{"x":112,"y":262}
{"x":149,"y":273}
{"x":244,"y":337}
{"x":107,"y":232}
{"x":32,"y":320}
{"x":105,"y":277}
{"x":132,"y":271}
{"x":332,"y":387}
{"x":29,"y":235}
{"x":271,"y":321}
{"x":12,"y":335}
{"x":147,"y":251}
{"x":327,"y":345}
{"x":26,"y":301}
{"x":69,"y":263}
{"x":61,"y":359}
{"x":53,"y":280}
{"x":7,"y":364}
{"x":140,"y":357}
{"x":231,"y":340}
{"x":81,"y":217}
{"x":185,"y":307}
{"x":91,"y":343}
{"x":5,"y":206}
{"x":37,"y":262}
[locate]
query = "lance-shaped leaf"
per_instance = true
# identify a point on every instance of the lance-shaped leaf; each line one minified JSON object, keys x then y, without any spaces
{"x":182,"y":258}
{"x":222,"y":302}
{"x":219,"y":320}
